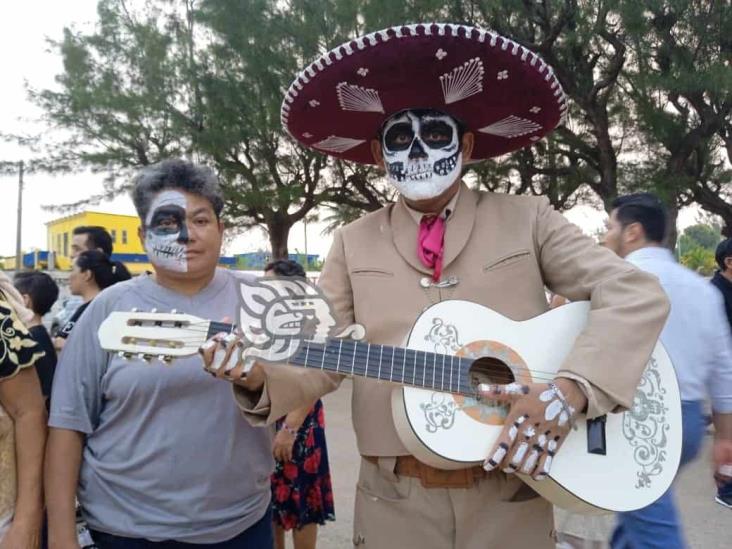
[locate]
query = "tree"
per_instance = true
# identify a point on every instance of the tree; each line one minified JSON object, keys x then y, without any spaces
{"x":681,"y":84}
{"x":202,"y":81}
{"x":649,"y":84}
{"x":700,"y":236}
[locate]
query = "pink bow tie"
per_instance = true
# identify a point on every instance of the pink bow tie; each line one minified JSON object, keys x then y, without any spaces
{"x":430,"y":243}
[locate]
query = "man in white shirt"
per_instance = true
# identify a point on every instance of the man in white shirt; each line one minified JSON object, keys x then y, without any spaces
{"x":697,"y":338}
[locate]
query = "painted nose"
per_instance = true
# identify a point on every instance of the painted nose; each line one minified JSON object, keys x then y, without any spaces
{"x":183,"y":237}
{"x":417,"y":150}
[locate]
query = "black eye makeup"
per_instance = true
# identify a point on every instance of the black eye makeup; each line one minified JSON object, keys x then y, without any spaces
{"x":399,"y":137}
{"x":436,"y":133}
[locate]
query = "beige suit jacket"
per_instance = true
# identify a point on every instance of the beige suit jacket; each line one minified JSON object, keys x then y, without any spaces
{"x":504,"y":249}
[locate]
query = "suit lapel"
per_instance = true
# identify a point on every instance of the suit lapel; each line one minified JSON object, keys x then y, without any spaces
{"x":459,"y":226}
{"x":404,"y":232}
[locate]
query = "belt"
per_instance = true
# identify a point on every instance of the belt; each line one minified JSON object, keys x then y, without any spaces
{"x":432,"y":477}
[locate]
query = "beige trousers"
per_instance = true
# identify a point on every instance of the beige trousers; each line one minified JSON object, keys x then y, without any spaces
{"x":399,"y":513}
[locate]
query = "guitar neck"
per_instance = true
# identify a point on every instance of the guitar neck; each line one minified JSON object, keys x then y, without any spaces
{"x":434,"y":371}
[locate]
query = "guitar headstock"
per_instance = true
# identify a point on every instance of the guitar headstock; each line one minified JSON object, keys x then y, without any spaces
{"x":149,"y":335}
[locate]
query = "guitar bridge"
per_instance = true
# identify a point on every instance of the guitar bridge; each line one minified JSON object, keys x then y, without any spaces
{"x":596,"y":443}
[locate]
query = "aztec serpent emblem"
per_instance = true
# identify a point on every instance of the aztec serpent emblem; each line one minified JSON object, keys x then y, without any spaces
{"x":279,"y":313}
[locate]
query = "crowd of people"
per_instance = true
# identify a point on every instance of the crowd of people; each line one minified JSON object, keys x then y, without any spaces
{"x":153,"y":456}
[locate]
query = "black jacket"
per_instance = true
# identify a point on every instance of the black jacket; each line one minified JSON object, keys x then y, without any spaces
{"x":725,"y":286}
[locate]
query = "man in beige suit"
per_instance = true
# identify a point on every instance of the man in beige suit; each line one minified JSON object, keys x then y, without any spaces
{"x":421,"y":101}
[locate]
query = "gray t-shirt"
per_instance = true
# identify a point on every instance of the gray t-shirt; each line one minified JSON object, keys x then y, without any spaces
{"x":168,"y":454}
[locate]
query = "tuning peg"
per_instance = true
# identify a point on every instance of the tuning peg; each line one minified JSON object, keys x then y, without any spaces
{"x":153,"y":310}
{"x":134,"y":309}
{"x":144,"y":356}
{"x":125,"y":355}
{"x":165,"y":359}
{"x":174,"y":311}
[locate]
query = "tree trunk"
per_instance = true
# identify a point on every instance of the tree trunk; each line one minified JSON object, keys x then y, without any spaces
{"x":279,"y":231}
{"x":672,"y":233}
{"x":715,"y":202}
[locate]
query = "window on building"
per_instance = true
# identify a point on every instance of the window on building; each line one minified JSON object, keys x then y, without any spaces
{"x":124,"y":236}
{"x":66,"y":244}
{"x":114,"y":236}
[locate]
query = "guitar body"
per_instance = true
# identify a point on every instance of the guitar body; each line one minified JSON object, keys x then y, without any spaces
{"x":642,"y":446}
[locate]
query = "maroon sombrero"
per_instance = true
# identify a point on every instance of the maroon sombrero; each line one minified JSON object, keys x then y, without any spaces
{"x":504,"y":93}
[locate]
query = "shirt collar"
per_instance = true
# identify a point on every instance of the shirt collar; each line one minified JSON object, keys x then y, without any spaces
{"x":653,"y":253}
{"x":446,"y":211}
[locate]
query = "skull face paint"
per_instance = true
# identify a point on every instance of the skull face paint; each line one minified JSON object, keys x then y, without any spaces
{"x":421,"y":153}
{"x":166,"y":232}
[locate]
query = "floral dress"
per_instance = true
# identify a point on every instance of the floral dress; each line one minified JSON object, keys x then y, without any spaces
{"x":301,"y":489}
{"x":18,"y":350}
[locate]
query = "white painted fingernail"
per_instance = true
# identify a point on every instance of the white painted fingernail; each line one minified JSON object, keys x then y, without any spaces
{"x":498,"y":456}
{"x":530,"y":462}
{"x":208,"y":345}
{"x":510,"y":469}
{"x":519,"y":455}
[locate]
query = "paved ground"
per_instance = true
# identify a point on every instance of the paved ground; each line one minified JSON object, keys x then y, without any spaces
{"x":707,"y":523}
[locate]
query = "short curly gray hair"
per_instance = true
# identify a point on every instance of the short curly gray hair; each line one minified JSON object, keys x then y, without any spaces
{"x":177,"y":174}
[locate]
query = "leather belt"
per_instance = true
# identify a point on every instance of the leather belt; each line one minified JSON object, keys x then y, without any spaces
{"x":432,"y":477}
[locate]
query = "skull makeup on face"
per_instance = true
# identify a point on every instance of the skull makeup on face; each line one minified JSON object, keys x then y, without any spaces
{"x":166,"y":232}
{"x":422,"y":153}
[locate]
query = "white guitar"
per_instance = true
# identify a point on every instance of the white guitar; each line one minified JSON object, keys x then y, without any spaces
{"x":620,"y":462}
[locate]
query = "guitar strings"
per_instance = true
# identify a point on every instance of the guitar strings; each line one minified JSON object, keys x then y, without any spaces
{"x":535,"y":374}
{"x":333,"y":362}
{"x":362,"y":354}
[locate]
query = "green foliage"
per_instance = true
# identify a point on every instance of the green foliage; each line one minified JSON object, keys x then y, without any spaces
{"x":700,"y":236}
{"x":649,"y":81}
{"x":700,"y":260}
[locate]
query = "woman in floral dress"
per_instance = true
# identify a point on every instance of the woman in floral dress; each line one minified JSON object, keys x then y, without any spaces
{"x":302,"y":495}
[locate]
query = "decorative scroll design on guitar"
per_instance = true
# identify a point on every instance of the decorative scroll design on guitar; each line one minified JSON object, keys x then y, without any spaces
{"x":439,"y":412}
{"x":645,"y":426}
{"x":444,"y":337}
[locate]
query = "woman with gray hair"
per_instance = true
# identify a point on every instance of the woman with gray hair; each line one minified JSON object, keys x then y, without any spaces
{"x":157,"y":453}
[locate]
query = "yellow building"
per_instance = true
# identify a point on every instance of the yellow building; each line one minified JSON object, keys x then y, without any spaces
{"x":123,"y":228}
{"x":127,"y":246}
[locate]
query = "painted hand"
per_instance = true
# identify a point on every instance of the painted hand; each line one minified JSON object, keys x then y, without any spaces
{"x":224,"y":357}
{"x":282,"y":445}
{"x":540,"y":418}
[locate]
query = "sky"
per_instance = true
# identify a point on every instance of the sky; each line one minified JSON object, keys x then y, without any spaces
{"x":27,"y":58}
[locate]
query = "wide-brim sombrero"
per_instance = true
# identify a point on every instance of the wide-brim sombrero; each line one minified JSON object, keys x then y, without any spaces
{"x":502,"y":92}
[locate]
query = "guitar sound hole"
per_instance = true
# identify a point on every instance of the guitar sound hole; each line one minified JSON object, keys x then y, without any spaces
{"x":490,"y":370}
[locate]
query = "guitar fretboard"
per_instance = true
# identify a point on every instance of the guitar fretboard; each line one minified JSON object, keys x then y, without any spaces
{"x":439,"y":372}
{"x":446,"y":373}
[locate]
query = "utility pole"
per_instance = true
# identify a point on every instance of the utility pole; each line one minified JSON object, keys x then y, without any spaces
{"x":18,"y":239}
{"x":305,"y":227}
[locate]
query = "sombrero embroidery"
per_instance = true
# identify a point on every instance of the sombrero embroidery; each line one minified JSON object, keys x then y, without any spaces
{"x":502,"y":92}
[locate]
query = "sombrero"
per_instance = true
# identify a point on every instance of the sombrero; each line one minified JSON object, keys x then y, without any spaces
{"x":502,"y":92}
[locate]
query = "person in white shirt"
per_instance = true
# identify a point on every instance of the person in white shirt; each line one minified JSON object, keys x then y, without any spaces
{"x":696,"y":337}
